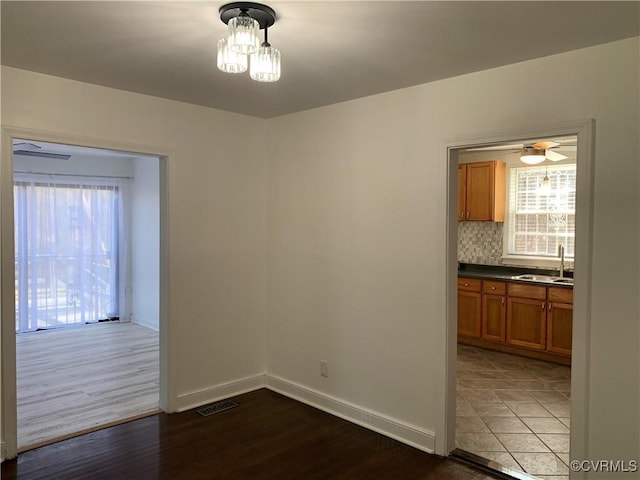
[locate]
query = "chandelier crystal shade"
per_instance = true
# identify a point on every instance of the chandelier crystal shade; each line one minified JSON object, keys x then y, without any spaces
{"x":241,"y":48}
{"x":265,"y":65}
{"x":230,"y":61}
{"x":243,"y":34}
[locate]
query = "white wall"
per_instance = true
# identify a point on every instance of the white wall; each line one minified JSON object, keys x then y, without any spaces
{"x":145,"y":242}
{"x":216,"y":215}
{"x":357,"y":247}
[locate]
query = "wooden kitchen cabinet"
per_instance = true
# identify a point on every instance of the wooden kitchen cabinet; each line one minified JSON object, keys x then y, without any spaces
{"x":527,"y":316}
{"x":494,"y":311}
{"x":469,"y":307}
{"x":462,"y":192}
{"x":559,"y":320}
{"x":481,"y":191}
{"x":526,"y":319}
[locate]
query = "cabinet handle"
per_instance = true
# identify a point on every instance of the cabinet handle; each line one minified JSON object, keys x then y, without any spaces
{"x":466,"y":284}
{"x":467,"y":215}
{"x":543,"y":305}
{"x":502,"y":300}
{"x":493,"y":288}
{"x":549,"y":306}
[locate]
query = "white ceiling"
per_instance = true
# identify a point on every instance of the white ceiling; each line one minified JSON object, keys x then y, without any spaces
{"x":331,"y":51}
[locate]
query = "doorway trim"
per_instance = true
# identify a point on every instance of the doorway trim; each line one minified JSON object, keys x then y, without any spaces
{"x":8,"y":386}
{"x":584,"y":130}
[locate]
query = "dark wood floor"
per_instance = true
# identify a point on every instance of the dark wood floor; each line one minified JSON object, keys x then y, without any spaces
{"x":268,"y":436}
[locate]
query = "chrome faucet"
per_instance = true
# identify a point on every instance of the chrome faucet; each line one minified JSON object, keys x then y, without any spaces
{"x":561,"y":255}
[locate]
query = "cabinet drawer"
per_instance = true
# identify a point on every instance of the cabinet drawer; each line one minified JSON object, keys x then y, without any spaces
{"x":561,"y":295}
{"x":493,"y":287}
{"x":535,"y":292}
{"x":469,"y":284}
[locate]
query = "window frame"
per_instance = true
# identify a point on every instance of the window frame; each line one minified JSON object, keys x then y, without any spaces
{"x":525,"y":259}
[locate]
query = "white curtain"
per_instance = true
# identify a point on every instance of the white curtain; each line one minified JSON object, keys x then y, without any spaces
{"x":67,"y":232}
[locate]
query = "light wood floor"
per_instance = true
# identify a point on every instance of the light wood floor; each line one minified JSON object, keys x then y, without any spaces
{"x":74,"y":380}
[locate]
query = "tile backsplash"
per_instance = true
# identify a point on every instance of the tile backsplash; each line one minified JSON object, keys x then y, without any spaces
{"x":480,"y":242}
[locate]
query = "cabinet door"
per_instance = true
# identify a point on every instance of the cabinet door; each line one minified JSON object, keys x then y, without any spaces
{"x":469,"y":314}
{"x":559,"y":327}
{"x":485,"y":191}
{"x":480,"y":191}
{"x":462,"y":189}
{"x":494,"y":318}
{"x":526,"y":323}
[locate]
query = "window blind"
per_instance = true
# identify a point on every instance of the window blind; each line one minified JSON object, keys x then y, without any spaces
{"x":66,"y":252}
{"x":539,"y":218}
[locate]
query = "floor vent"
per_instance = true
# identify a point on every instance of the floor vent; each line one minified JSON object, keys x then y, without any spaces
{"x":216,"y":408}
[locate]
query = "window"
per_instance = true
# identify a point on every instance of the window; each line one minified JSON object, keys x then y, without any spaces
{"x":539,"y":217}
{"x":66,"y":245}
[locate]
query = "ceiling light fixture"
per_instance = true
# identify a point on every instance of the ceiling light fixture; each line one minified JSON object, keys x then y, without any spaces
{"x":532,"y":156}
{"x":545,"y":184}
{"x":241,"y":48}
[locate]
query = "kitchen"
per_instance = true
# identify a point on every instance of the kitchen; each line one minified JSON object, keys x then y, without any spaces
{"x":516,"y":230}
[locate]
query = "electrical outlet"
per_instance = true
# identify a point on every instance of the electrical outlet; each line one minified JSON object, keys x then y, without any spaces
{"x":324,"y":368}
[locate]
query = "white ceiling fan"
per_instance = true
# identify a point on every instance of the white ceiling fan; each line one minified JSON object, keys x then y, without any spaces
{"x":540,"y":151}
{"x":29,"y":149}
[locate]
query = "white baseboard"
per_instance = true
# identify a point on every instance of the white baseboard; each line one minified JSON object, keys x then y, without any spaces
{"x":403,"y":432}
{"x":152,"y":326}
{"x":195,"y":399}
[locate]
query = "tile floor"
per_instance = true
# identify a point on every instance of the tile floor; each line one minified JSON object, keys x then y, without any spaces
{"x":514,"y":410}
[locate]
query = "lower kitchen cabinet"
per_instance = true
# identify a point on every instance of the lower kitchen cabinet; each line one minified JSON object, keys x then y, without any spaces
{"x":559,"y":320}
{"x":469,"y":307}
{"x":526,"y":323}
{"x":515,"y":317}
{"x":494,"y":311}
{"x":527,"y":316}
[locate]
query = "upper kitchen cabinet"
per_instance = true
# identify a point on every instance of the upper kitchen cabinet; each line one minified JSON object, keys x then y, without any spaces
{"x":462,"y":192}
{"x":481,"y":191}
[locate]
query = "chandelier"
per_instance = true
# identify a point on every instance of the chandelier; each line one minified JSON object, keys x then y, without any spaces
{"x":241,"y":49}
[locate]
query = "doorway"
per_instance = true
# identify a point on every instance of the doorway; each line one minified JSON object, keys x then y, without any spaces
{"x":127,"y":279}
{"x":501,"y":362}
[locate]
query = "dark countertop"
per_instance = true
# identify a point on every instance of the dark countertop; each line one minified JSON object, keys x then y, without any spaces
{"x":504,"y":273}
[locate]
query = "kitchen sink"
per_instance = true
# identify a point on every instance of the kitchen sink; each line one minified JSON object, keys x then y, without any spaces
{"x":543,"y":278}
{"x":534,"y":278}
